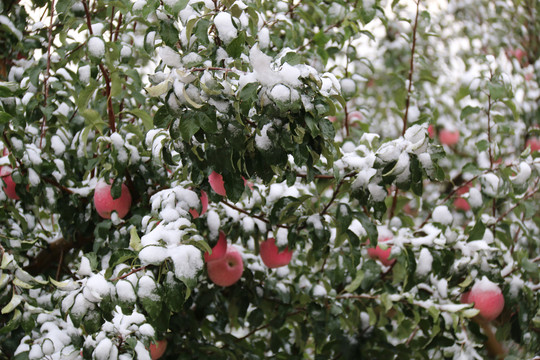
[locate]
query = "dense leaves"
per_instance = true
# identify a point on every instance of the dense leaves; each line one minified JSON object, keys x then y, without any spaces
{"x":392,"y":146}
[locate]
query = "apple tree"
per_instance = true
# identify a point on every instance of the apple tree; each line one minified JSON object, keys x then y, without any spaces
{"x":185,"y":179}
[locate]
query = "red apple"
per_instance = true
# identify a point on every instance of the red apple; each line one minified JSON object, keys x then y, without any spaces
{"x":448,"y":137}
{"x":228,"y":269}
{"x":9,"y":184}
{"x":533,"y":143}
{"x":158,"y":349}
{"x":431,"y":131}
{"x":487,"y":298}
{"x":204,"y":203}
{"x":461,"y":204}
{"x":219,"y":250}
{"x":217,"y":184}
{"x":377,"y":253}
{"x":271,"y":256}
{"x":105,"y":204}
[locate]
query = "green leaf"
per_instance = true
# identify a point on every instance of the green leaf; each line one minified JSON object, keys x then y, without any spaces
{"x":12,"y":324}
{"x":497,"y":91}
{"x":235,"y":47}
{"x":162,"y":117}
{"x":477,"y":232}
{"x":189,"y":125}
{"x":468,"y":110}
{"x":134,"y":239}
{"x":370,"y":228}
{"x":208,"y":124}
{"x":144,"y":116}
{"x":356,"y":282}
{"x":169,"y":33}
{"x":14,"y":302}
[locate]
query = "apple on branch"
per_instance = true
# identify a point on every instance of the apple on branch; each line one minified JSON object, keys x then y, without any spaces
{"x":204,"y":206}
{"x":271,"y":256}
{"x":157,"y":349}
{"x":105,"y":204}
{"x":9,"y":184}
{"x":377,"y":253}
{"x":226,"y":270}
{"x":487,"y":298}
{"x":219,"y":250}
{"x":448,"y":137}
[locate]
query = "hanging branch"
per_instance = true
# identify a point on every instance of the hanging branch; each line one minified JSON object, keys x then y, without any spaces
{"x":411,"y":70}
{"x":47,"y":74}
{"x":110,"y":109}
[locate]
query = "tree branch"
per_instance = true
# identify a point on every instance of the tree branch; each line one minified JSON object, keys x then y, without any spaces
{"x":411,"y":71}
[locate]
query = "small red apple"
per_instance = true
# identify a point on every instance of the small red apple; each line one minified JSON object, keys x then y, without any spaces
{"x":219,"y":250}
{"x":377,"y":253}
{"x":158,"y":349}
{"x":448,"y":137}
{"x":431,"y":131}
{"x":204,"y":206}
{"x":461,"y":204}
{"x":487,"y":298}
{"x":228,"y":269}
{"x":105,"y":204}
{"x":534,"y":144}
{"x":9,"y":184}
{"x":271,"y":256}
{"x":217,"y":184}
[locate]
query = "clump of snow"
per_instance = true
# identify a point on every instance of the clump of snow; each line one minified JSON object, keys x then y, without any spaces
{"x":187,"y":261}
{"x":170,"y":57}
{"x":96,"y":47}
{"x":319,"y":291}
{"x":490,"y":184}
{"x":475,"y":198}
{"x":425,"y":260}
{"x":442,"y":215}
{"x":225,"y":27}
{"x":262,"y":141}
{"x":523,"y":174}
{"x":485,"y":285}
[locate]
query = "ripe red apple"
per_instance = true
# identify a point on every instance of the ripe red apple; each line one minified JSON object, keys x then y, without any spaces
{"x":431,"y":131}
{"x":271,"y":256}
{"x":377,"y":253}
{"x":9,"y":184}
{"x":487,"y":298}
{"x":217,"y":184}
{"x":204,"y":203}
{"x":105,"y":204}
{"x":219,"y":250}
{"x":448,"y":137}
{"x":534,"y":144}
{"x":158,"y":349}
{"x":228,"y":269}
{"x":461,"y":204}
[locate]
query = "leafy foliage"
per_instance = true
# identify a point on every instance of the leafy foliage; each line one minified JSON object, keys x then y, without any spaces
{"x":325,"y":121}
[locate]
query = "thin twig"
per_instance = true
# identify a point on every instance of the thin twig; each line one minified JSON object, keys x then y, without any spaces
{"x":262,"y":218}
{"x":267,"y":325}
{"x":411,"y":70}
{"x":336,"y":191}
{"x":129,"y":273}
{"x":47,"y":75}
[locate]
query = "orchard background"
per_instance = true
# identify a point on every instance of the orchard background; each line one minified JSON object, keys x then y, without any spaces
{"x":335,"y":126}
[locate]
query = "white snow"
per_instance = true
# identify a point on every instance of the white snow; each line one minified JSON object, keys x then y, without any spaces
{"x":523,"y":175}
{"x":225,"y":27}
{"x":281,"y":237}
{"x":170,"y":57}
{"x":490,"y":184}
{"x":84,"y":73}
{"x":262,"y":141}
{"x":319,"y":291}
{"x":425,"y":260}
{"x":442,"y":215}
{"x":485,"y":285}
{"x":96,"y":47}
{"x":214,"y":222}
{"x":475,"y":198}
{"x":187,"y":261}
{"x":125,"y":291}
